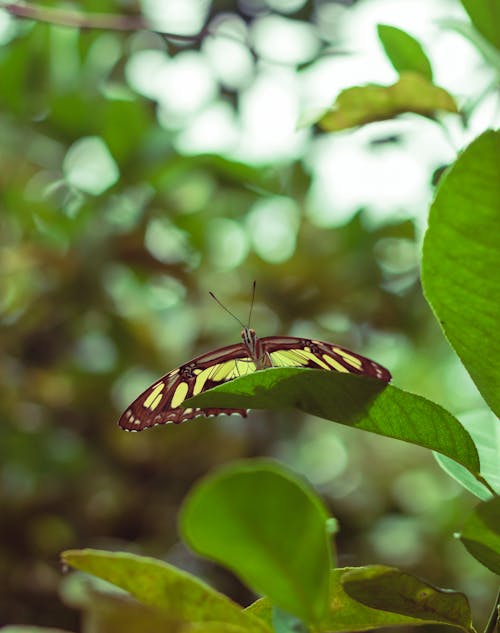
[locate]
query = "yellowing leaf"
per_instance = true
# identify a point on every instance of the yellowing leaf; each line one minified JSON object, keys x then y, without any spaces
{"x":364,"y":104}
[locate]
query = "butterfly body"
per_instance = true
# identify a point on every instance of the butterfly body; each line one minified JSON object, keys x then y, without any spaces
{"x":161,"y":402}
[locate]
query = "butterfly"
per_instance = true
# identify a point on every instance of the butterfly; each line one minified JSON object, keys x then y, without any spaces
{"x":161,"y":402}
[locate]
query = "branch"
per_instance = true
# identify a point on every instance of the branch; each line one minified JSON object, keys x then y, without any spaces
{"x":107,"y":21}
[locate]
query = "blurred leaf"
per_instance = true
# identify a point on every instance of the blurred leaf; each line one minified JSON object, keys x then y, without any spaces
{"x":467,"y":30}
{"x":157,"y":584}
{"x":124,"y":122}
{"x":485,"y":431}
{"x":356,"y":401}
{"x":266,"y":525}
{"x":404,"y":51}
{"x":461,"y":260}
{"x":347,"y":614}
{"x":110,"y":613}
{"x":389,"y":589}
{"x":481,"y":534}
{"x":485,"y":15}
{"x":24,"y":69}
{"x":364,"y":104}
{"x":28,"y":628}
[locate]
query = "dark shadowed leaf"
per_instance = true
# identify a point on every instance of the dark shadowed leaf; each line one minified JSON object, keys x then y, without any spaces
{"x":356,"y":401}
{"x":266,"y":525}
{"x":390,"y":589}
{"x":481,"y":534}
{"x":348,"y":614}
{"x":461,"y":260}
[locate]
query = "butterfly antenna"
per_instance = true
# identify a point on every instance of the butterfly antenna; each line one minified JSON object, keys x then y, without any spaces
{"x":251,"y":303}
{"x":226,"y":309}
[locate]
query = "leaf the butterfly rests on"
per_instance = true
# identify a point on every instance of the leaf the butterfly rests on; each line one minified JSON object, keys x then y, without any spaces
{"x":161,"y":403}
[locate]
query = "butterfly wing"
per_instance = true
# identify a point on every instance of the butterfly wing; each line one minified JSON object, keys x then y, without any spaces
{"x":160,"y":403}
{"x":290,"y":351}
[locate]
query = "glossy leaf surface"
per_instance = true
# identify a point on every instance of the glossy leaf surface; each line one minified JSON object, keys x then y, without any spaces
{"x":461,"y":260}
{"x":351,"y":400}
{"x":266,"y":525}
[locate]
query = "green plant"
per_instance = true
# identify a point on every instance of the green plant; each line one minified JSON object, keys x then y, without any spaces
{"x":302,"y":588}
{"x":266,"y":525}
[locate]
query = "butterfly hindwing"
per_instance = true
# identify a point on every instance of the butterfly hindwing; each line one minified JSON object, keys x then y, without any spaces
{"x":160,"y":403}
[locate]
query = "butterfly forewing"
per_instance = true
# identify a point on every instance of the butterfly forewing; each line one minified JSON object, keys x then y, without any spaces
{"x":160,"y":403}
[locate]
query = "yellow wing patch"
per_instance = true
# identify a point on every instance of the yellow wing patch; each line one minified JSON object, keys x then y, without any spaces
{"x":295,"y":357}
{"x":154,"y":398}
{"x":335,"y":364}
{"x":231,"y":369}
{"x":349,"y":358}
{"x":179,"y":395}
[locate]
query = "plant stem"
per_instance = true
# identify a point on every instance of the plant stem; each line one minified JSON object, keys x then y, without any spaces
{"x":482,"y":480}
{"x":491,"y":627}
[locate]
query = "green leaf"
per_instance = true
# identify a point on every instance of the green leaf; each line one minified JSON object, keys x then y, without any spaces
{"x":485,"y":431}
{"x":389,"y":589}
{"x":404,"y":51}
{"x":157,"y":584}
{"x":481,"y":534}
{"x":111,"y":613}
{"x":348,"y":614}
{"x":356,"y":401}
{"x":461,"y":261}
{"x":485,"y":16}
{"x":29,"y":628}
{"x":364,"y":104}
{"x":265,"y":524}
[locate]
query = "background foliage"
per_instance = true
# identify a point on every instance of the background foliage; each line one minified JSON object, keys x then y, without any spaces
{"x":137,"y":172}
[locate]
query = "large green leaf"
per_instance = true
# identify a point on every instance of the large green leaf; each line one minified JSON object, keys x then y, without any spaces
{"x":356,"y":401}
{"x":408,"y":601}
{"x":461,"y":261}
{"x":265,"y":524}
{"x":157,"y":584}
{"x":404,"y":51}
{"x":481,"y":534}
{"x":364,"y":104}
{"x":485,"y":15}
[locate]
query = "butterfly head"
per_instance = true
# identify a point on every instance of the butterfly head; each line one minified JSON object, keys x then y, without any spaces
{"x":249,"y":337}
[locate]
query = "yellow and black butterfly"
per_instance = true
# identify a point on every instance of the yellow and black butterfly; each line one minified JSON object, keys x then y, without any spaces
{"x":161,"y":402}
